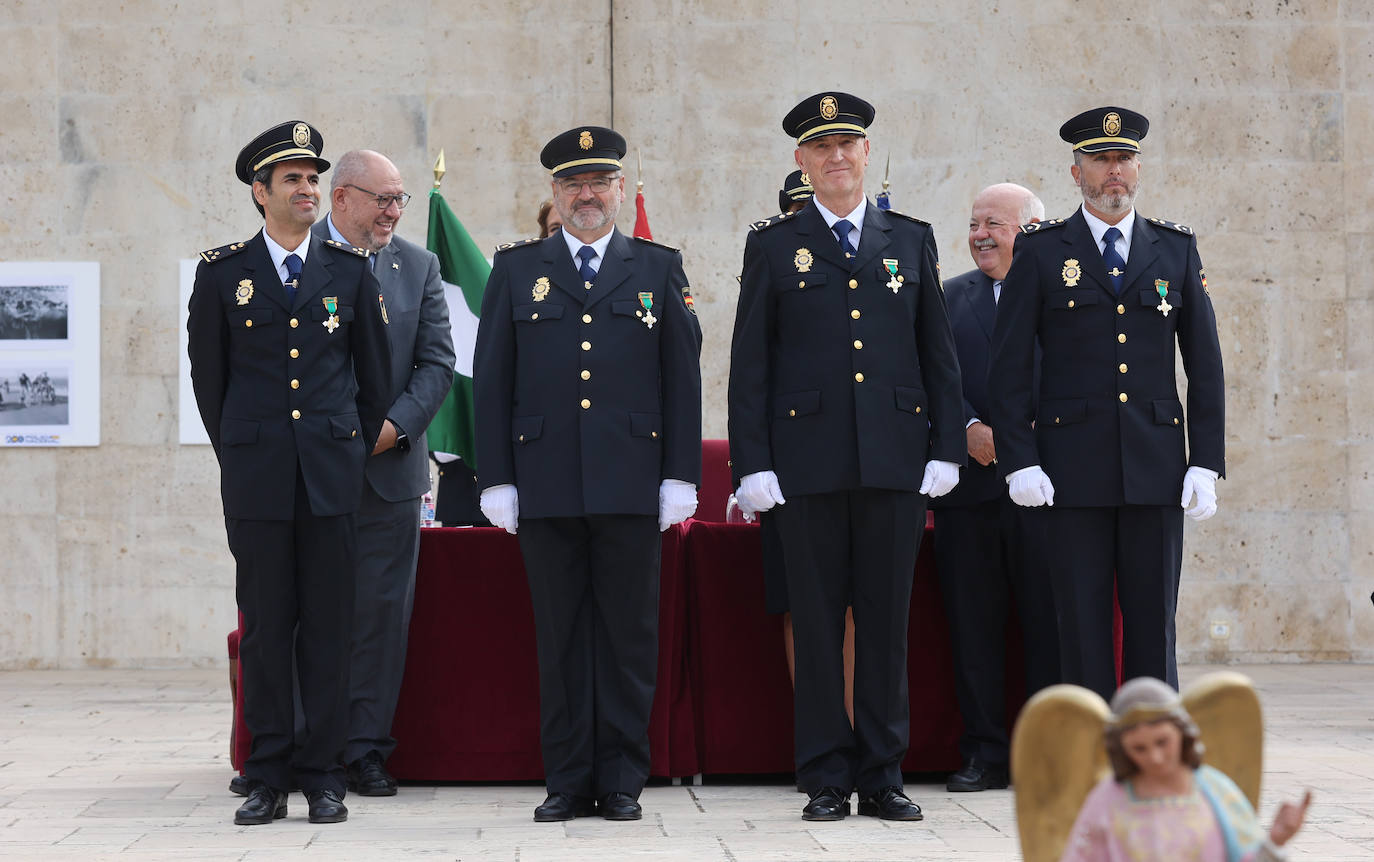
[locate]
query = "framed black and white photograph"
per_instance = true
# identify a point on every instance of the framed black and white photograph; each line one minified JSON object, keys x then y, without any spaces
{"x":49,"y":353}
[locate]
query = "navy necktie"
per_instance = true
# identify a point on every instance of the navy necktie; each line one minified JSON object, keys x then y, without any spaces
{"x":293,"y":277}
{"x":842,"y":229}
{"x":586,"y":253}
{"x":1116,"y":267}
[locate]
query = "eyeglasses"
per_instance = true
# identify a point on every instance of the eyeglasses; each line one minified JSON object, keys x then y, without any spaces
{"x":598,"y":185}
{"x":384,"y":201}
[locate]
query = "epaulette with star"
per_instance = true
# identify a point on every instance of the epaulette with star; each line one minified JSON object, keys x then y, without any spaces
{"x":764,"y":224}
{"x":217,"y":254}
{"x":507,"y":246}
{"x":1037,"y":226}
{"x":1175,"y":226}
{"x":656,"y":244}
{"x":900,"y":214}
{"x":351,"y":249}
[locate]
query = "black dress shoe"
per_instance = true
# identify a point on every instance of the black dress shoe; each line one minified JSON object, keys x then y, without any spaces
{"x":890,"y":803}
{"x":564,"y":806}
{"x":830,"y":803}
{"x":368,"y":777}
{"x":239,"y":785}
{"x":619,"y":806}
{"x":326,"y":806}
{"x":977,"y":775}
{"x":262,"y":806}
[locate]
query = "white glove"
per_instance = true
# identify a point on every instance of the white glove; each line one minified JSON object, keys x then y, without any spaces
{"x":1203,"y":483}
{"x":501,"y":505}
{"x":759,"y":492}
{"x":940,"y":478}
{"x":1029,"y":486}
{"x":677,"y":501}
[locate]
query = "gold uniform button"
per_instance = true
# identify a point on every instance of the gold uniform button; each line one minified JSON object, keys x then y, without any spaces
{"x":855,"y":314}
{"x":586,"y":402}
{"x":248,"y":323}
{"x":858,"y":345}
{"x":353,"y":433}
{"x":1121,"y":309}
{"x":586,"y":345}
{"x":522,"y":438}
{"x":859,"y":377}
{"x":586,"y":318}
{"x":295,"y":353}
{"x":653,"y":434}
{"x":1175,"y":420}
{"x":1122,"y":368}
{"x":801,"y":284}
{"x":295,"y":323}
{"x":1121,"y":339}
{"x":1122,"y":398}
{"x":534,"y":316}
{"x":1071,"y":303}
{"x":791,"y":413}
{"x":295,"y":384}
{"x":1056,"y":420}
{"x":918,"y":408}
{"x":586,"y":375}
{"x":295,"y":414}
{"x":853,"y":283}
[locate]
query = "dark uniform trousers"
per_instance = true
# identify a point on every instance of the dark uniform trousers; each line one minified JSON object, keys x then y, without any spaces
{"x":989,"y":554}
{"x":585,"y":407}
{"x":1110,"y":430}
{"x":292,"y":393}
{"x":844,"y":382}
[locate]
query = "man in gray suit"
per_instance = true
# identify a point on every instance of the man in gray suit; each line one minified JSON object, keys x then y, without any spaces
{"x":367,"y":198}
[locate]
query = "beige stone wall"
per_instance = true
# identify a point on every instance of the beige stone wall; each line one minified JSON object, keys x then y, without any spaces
{"x":121,"y":122}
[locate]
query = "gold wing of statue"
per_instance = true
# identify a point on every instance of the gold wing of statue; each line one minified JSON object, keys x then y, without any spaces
{"x":1226,"y":709}
{"x":1057,"y":756}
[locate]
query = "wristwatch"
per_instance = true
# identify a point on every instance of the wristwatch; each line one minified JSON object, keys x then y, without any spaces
{"x":402,"y":441}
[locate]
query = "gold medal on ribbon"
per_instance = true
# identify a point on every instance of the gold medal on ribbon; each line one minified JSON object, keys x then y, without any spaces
{"x":541,"y":288}
{"x":1072,"y":273}
{"x":245,"y":291}
{"x":646,"y":299}
{"x":803,"y":260}
{"x":381,"y":303}
{"x":1162,"y":287}
{"x":331,"y":305}
{"x":891,"y":265}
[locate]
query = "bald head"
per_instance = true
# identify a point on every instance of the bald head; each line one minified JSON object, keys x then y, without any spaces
{"x":998,"y":212}
{"x":359,"y":177}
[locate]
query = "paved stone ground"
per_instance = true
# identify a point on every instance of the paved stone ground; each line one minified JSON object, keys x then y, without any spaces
{"x":132,"y":765}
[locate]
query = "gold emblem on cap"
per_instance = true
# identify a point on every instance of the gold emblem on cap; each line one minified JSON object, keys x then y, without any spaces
{"x":541,"y":288}
{"x":245,"y":291}
{"x":803,"y":260}
{"x":806,"y":179}
{"x":1071,"y":272}
{"x":1111,"y":124}
{"x":830,"y":109}
{"x":584,"y":140}
{"x":301,"y":134}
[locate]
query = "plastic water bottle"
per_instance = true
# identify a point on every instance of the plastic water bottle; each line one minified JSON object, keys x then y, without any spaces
{"x":427,"y":509}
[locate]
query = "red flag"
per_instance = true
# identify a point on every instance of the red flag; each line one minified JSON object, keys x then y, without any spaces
{"x":641,"y":216}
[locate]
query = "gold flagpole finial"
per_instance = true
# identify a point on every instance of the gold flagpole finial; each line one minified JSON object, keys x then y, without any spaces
{"x":639,"y":181}
{"x":886,"y":172}
{"x":439,"y":170}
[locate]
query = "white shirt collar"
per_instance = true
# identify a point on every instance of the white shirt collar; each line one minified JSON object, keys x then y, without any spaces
{"x":856,"y":217}
{"x":1098,"y":227}
{"x":575,"y":245}
{"x":279,"y":254}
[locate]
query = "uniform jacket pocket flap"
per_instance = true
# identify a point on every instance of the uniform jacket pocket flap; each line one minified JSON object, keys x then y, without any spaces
{"x":526,"y":428}
{"x":1168,"y":411}
{"x":536,"y":311}
{"x":1149,"y":297}
{"x":795,"y":404}
{"x":344,"y":426}
{"x":236,"y":432}
{"x":646,"y":425}
{"x":1071,"y":298}
{"x":1063,"y":412}
{"x":627,"y":307}
{"x":247,"y":318}
{"x":910,"y":399}
{"x":801,"y":281}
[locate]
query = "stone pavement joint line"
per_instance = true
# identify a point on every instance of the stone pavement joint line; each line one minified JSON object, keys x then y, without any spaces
{"x":133,"y":765}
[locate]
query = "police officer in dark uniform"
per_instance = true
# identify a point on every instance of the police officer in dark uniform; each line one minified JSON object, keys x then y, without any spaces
{"x":588,"y":396}
{"x":291,"y":370}
{"x":845,"y":409}
{"x":1109,"y":294}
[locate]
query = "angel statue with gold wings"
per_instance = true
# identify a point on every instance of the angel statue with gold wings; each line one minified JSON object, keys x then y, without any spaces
{"x":1146,"y":796}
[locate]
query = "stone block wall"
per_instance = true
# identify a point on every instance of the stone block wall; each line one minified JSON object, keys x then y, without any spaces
{"x":121,"y":123}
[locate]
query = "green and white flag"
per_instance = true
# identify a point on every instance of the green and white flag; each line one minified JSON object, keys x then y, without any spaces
{"x":464,"y":272}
